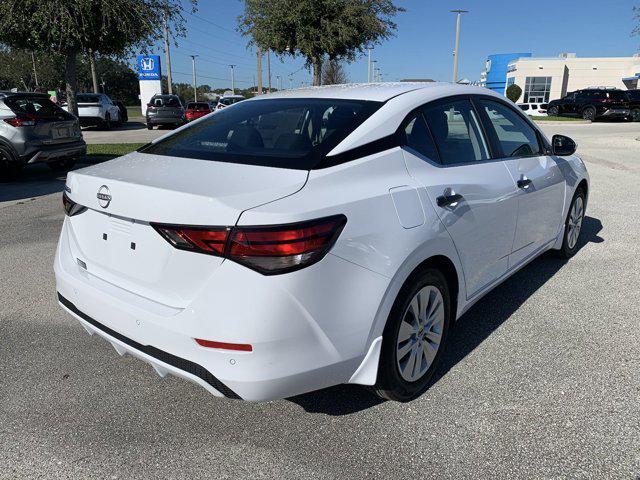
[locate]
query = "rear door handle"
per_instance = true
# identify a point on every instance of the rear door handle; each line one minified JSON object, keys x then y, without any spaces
{"x":448,"y":200}
{"x":524,"y":182}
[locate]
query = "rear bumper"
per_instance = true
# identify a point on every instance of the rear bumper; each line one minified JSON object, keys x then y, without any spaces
{"x":90,"y":121}
{"x":48,"y":153}
{"x":165,"y":120}
{"x":308,"y":329}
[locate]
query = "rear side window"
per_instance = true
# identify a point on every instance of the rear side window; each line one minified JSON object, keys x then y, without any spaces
{"x":515,"y":136}
{"x":456,"y":131}
{"x":283,"y":133}
{"x":38,"y":107}
{"x":417,"y":137}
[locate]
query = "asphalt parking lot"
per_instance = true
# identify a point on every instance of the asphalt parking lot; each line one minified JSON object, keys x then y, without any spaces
{"x":541,"y":378}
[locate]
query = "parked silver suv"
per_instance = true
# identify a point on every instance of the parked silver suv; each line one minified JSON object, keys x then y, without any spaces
{"x":34,"y":129}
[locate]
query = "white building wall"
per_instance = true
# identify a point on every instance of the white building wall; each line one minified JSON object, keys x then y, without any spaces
{"x":569,"y":74}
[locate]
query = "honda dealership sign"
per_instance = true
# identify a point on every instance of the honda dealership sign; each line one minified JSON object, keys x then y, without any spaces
{"x":149,"y":67}
{"x":149,"y":74}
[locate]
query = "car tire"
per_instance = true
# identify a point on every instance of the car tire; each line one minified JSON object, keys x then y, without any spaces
{"x":106,"y":124}
{"x":589,"y":113}
{"x":553,"y":112}
{"x":9,"y":166}
{"x":62,"y":165}
{"x":573,"y":225}
{"x":635,"y":115}
{"x":149,"y":126}
{"x":406,"y":338}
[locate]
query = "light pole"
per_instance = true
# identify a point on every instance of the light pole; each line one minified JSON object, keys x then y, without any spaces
{"x":373,"y":72}
{"x":290,"y":82}
{"x":455,"y":51}
{"x":193,"y":76}
{"x":233,"y":82}
{"x":278,"y":82}
{"x":167,"y":54}
{"x":369,"y":48}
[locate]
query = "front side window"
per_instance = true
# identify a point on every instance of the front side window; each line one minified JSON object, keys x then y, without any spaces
{"x":417,"y":137}
{"x":282,"y":133}
{"x":514,"y":134}
{"x":456,"y":131}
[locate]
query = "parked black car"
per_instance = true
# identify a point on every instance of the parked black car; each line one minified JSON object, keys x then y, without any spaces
{"x":33,"y":129}
{"x":633,"y":97}
{"x":165,"y":110}
{"x":591,"y":104}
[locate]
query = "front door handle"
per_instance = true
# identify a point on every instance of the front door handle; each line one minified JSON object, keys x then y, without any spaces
{"x":524,"y":182}
{"x":448,"y":200}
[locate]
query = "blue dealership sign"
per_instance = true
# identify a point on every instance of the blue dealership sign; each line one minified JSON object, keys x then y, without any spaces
{"x":149,"y":67}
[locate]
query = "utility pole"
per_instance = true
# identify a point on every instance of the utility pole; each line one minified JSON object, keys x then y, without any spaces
{"x":35,"y":74}
{"x":369,"y":48}
{"x":259,"y":68}
{"x":373,"y":72}
{"x":233,"y":82}
{"x":167,"y":54}
{"x":193,"y":74}
{"x":269,"y":69}
{"x":455,"y":51}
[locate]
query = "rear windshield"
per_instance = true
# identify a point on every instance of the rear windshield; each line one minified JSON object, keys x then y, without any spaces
{"x":88,"y":98}
{"x":282,"y":133}
{"x":198,"y":106}
{"x":230,"y":100}
{"x":165,"y":101}
{"x":39,"y":107}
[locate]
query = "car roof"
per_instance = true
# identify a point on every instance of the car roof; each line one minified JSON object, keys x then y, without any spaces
{"x":5,"y":94}
{"x":379,"y":92}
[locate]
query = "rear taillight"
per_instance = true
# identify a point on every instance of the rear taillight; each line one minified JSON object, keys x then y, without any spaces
{"x":21,"y":121}
{"x":71,"y":208}
{"x":269,"y":250}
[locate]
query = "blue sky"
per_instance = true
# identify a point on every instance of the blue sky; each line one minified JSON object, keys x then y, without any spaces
{"x":423,"y":45}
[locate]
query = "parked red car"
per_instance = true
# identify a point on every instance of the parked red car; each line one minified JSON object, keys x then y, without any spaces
{"x":196,"y":110}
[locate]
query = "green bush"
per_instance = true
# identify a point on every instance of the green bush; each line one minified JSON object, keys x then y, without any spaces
{"x":514,"y":92}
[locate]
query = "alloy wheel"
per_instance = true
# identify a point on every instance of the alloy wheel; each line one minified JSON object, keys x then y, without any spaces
{"x":575,"y":222}
{"x":420,"y":333}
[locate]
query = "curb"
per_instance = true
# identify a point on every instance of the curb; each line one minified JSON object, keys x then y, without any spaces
{"x":568,"y":122}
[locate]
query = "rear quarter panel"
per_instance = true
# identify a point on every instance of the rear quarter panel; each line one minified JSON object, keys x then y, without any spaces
{"x":373,"y":238}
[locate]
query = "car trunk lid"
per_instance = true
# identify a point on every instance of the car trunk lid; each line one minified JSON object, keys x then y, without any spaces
{"x":115,"y":241}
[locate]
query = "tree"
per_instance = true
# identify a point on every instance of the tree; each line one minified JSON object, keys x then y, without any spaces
{"x":317,"y":29}
{"x":513,"y":92}
{"x":71,"y":27}
{"x":333,"y":73}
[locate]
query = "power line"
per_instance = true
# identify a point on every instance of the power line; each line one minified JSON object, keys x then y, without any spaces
{"x":212,"y":23}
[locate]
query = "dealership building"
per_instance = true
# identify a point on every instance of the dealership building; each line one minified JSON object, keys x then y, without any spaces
{"x":545,"y":79}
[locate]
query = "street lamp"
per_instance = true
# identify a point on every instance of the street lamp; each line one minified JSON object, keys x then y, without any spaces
{"x":455,"y":51}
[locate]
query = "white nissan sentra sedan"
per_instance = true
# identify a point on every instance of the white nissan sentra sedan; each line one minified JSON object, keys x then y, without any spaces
{"x":314,"y":237}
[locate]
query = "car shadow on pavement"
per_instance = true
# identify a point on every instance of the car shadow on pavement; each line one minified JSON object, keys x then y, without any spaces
{"x":38,"y":180}
{"x":470,"y":331}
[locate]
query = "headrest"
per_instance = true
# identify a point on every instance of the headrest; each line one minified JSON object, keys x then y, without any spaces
{"x":292,"y":141}
{"x":244,"y":136}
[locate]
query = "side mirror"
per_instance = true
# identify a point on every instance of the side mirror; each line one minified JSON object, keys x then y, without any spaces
{"x":563,"y":146}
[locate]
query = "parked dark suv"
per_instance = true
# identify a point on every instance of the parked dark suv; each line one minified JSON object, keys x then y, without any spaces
{"x":165,"y":110}
{"x":34,"y":129}
{"x":591,"y":104}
